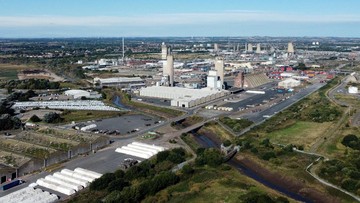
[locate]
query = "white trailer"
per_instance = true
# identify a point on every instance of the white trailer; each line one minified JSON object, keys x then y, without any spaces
{"x":88,"y":172}
{"x":150,"y":146}
{"x":77,"y":175}
{"x":54,"y":186}
{"x":146,"y":147}
{"x":132,"y":153}
{"x":138,"y":150}
{"x":69,"y":178}
{"x":154,"y":151}
{"x":60,"y":181}
{"x":255,"y":92}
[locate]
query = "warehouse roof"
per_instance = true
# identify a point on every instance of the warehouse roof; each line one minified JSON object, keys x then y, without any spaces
{"x":119,"y":79}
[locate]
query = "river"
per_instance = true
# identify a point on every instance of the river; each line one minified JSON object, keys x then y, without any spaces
{"x":209,"y":143}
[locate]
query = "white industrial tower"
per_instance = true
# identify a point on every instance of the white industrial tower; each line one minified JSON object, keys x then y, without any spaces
{"x":170,"y":69}
{"x":250,"y":48}
{"x":290,"y":49}
{"x":258,"y":49}
{"x":165,"y":50}
{"x":219,"y":67}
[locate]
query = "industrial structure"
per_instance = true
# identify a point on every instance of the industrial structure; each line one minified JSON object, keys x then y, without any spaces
{"x":239,"y":80}
{"x":78,"y":94}
{"x":250,"y":48}
{"x":168,"y":71}
{"x":141,"y":150}
{"x":258,"y":49}
{"x":290,"y":49}
{"x":219,"y":67}
{"x":117,"y":81}
{"x":165,"y":51}
{"x":289,"y":83}
{"x":183,"y":97}
{"x":213,"y":80}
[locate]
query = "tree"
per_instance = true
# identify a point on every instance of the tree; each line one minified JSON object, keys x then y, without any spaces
{"x":34,"y":118}
{"x":117,"y":184}
{"x":52,"y":117}
{"x":227,"y":143}
{"x":351,"y":141}
{"x":102,"y":182}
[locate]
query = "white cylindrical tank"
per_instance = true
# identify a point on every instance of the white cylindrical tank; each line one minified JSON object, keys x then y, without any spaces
{"x":132,"y":153}
{"x":54,"y":179}
{"x":137,"y":150}
{"x":88,"y":172}
{"x":150,"y":146}
{"x":154,"y":151}
{"x":77,"y":175}
{"x":66,"y":177}
{"x":54,"y":186}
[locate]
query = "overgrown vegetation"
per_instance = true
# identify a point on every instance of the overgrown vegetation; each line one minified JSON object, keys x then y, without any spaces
{"x":140,"y":181}
{"x":235,"y":124}
{"x":30,"y":84}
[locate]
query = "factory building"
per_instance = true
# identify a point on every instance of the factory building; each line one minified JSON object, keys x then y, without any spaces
{"x":183,"y":97}
{"x":289,"y":83}
{"x":118,"y":81}
{"x":77,"y":94}
{"x":213,"y":80}
{"x":239,"y":80}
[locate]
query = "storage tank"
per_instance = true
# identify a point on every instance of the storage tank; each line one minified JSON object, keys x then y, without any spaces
{"x":54,"y":186}
{"x":77,"y":175}
{"x":63,"y":182}
{"x":69,"y":178}
{"x":88,"y":172}
{"x":151,"y":146}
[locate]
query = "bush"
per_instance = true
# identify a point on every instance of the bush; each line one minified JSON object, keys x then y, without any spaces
{"x":211,"y":157}
{"x":102,"y":182}
{"x":351,"y":141}
{"x":117,"y":185}
{"x":268,"y":155}
{"x":52,"y":117}
{"x":35,"y":118}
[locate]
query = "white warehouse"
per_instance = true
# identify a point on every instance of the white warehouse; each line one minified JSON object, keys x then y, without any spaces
{"x":183,"y":97}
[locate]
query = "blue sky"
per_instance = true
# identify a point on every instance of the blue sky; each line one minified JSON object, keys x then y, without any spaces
{"x":116,"y":18}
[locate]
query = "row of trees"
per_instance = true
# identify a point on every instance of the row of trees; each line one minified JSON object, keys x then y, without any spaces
{"x":30,"y":84}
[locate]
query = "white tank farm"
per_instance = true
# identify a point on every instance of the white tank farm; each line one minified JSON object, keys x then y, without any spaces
{"x":69,"y":178}
{"x":77,"y":175}
{"x":88,"y":172}
{"x":63,"y":182}
{"x":55,"y":186}
{"x":30,"y":195}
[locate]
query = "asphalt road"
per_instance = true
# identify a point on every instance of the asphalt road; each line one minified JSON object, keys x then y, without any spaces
{"x":259,"y":116}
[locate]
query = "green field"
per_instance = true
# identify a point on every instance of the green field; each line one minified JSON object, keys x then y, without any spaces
{"x":300,"y":133}
{"x":8,"y":74}
{"x":70,"y":116}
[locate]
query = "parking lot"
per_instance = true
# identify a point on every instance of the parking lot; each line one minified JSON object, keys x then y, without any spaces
{"x":125,"y":124}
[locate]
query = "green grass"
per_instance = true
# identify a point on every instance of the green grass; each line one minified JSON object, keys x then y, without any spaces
{"x":8,"y":74}
{"x":300,"y":133}
{"x":190,"y":141}
{"x":70,"y":116}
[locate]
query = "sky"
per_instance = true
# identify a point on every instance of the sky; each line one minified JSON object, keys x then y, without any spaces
{"x":165,"y":18}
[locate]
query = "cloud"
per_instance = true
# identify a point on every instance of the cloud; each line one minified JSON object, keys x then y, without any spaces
{"x":232,"y":16}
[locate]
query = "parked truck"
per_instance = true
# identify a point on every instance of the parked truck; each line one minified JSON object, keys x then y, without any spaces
{"x":12,"y":184}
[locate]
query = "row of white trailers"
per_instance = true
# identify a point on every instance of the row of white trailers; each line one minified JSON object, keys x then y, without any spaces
{"x":71,"y":105}
{"x":220,"y":108}
{"x":140,"y":150}
{"x":66,"y":181}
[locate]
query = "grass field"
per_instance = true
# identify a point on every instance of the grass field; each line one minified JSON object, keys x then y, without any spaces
{"x":70,"y":116}
{"x":216,"y":130}
{"x":301,"y":133}
{"x":7,"y":74}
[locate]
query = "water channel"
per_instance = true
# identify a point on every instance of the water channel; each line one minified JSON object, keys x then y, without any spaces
{"x":208,"y":143}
